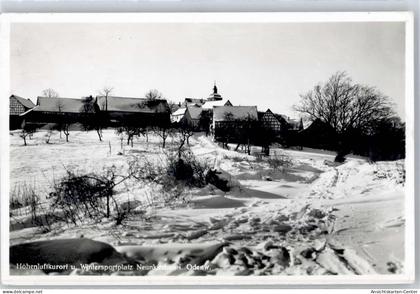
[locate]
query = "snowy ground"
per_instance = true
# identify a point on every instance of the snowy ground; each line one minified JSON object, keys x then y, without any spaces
{"x":312,"y":218}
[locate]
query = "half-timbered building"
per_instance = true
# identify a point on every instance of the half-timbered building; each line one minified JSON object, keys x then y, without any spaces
{"x":17,"y":107}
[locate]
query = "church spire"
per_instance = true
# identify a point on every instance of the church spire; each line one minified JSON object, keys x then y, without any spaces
{"x":214,"y":96}
{"x":214,"y":88}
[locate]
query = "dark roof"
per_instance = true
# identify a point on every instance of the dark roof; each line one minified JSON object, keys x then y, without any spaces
{"x":295,"y":124}
{"x":127,"y":104}
{"x":69,"y":105}
{"x":25,"y":102}
{"x":318,"y":127}
{"x":281,"y":117}
{"x":238,"y":112}
{"x":194,"y":111}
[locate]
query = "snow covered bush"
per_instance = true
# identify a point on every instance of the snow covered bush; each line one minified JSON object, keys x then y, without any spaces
{"x":172,"y":174}
{"x":187,"y":168}
{"x":88,"y":196}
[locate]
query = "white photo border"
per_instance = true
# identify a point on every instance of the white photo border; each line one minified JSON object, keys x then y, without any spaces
{"x":241,"y":17}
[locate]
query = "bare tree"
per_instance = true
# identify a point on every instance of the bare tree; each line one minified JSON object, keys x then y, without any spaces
{"x":131,"y":131}
{"x":59,"y":125}
{"x":50,"y":93}
{"x":153,"y":95}
{"x":185,"y":132}
{"x":66,"y":129}
{"x":27,"y":131}
{"x":163,"y":132}
{"x":173,"y":106}
{"x":106,"y":92}
{"x":345,"y":106}
{"x":226,"y":129}
{"x":205,"y":121}
{"x":92,"y":117}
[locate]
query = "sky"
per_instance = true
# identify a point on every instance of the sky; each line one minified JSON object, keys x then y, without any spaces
{"x":269,"y":64}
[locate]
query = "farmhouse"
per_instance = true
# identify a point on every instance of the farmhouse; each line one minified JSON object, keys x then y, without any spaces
{"x":18,"y":106}
{"x":134,"y":111}
{"x":279,"y":123}
{"x":228,"y":120}
{"x":272,"y":121}
{"x":192,"y":116}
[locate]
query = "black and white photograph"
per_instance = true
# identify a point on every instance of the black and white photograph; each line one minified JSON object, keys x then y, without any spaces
{"x":209,"y":148}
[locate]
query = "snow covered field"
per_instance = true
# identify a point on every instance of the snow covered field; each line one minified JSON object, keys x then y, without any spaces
{"x":312,"y":218}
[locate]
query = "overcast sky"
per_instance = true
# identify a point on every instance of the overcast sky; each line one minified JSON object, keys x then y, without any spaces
{"x":267,"y":65}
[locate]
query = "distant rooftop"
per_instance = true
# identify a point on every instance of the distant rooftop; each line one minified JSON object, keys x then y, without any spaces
{"x":47,"y":104}
{"x":25,"y":102}
{"x":194,"y":111}
{"x":237,"y":112}
{"x":129,"y":104}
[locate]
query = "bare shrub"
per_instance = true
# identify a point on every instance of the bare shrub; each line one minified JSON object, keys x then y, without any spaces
{"x":89,"y":196}
{"x":24,"y":200}
{"x":20,"y":195}
{"x":187,"y":168}
{"x":172,"y":175}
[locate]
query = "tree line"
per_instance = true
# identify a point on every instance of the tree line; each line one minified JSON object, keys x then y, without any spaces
{"x":358,"y":118}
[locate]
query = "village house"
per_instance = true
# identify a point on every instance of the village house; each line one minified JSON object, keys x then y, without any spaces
{"x":192,"y":116}
{"x":17,"y":107}
{"x":281,"y":126}
{"x":272,"y":121}
{"x":227,"y":120}
{"x":192,"y":108}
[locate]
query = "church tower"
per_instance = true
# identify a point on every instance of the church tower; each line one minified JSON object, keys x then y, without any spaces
{"x":214,"y":96}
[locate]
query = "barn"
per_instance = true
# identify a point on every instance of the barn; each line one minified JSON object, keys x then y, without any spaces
{"x":18,"y":106}
{"x":134,"y":111}
{"x":60,"y":111}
